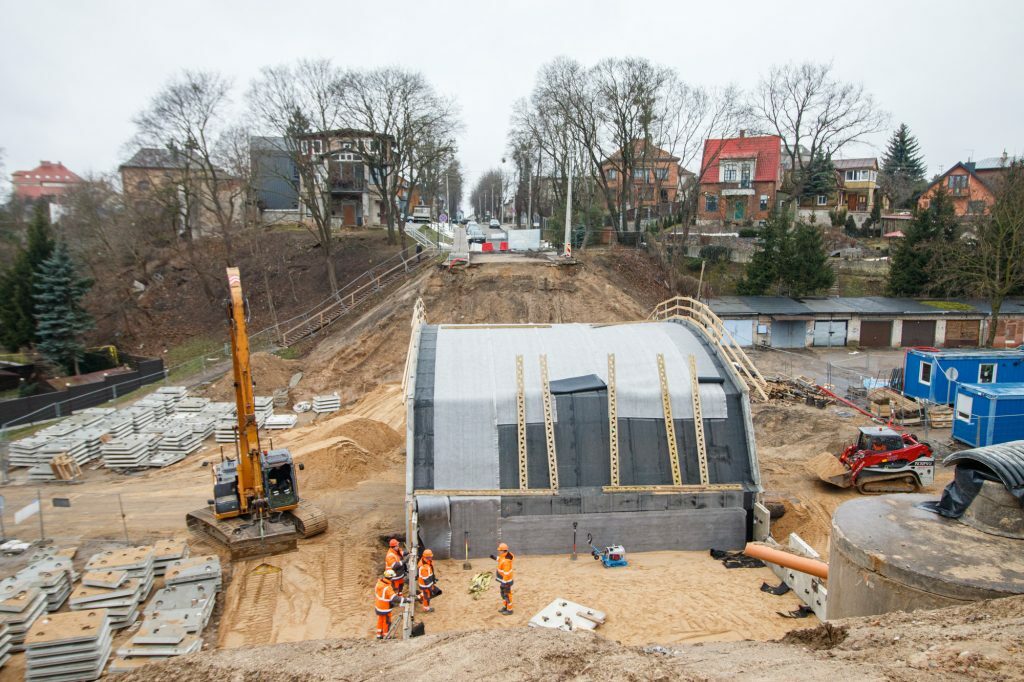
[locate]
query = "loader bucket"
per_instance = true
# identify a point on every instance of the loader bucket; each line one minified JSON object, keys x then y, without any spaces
{"x":828,"y":468}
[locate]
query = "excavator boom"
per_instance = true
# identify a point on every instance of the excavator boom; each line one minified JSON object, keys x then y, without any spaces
{"x":250,"y":485}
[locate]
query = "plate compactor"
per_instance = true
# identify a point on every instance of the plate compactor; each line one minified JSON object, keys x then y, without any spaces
{"x":881,"y":461}
{"x":256,"y":509}
{"x":612,"y":556}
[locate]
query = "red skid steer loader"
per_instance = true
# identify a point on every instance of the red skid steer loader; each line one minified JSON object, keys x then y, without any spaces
{"x":881,"y":461}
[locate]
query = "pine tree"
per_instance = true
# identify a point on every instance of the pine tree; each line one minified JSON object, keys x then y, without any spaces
{"x":821,"y":176}
{"x":807,"y":267}
{"x":902,"y":157}
{"x":17,"y":306}
{"x":61,"y":320}
{"x":762,"y":273}
{"x":910,"y":267}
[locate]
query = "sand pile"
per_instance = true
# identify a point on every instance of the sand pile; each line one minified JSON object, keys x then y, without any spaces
{"x":343,"y":464}
{"x":978,"y":641}
{"x":269,"y":371}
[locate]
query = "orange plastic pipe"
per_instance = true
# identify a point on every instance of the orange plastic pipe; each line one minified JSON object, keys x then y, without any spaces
{"x":818,"y":569}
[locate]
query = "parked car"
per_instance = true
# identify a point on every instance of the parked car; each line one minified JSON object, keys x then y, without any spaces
{"x":495,"y":223}
{"x":475,"y":234}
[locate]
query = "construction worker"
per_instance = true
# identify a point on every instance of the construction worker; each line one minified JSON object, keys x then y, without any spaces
{"x":426,"y":580}
{"x":395,"y":561}
{"x":504,"y":576}
{"x":384,"y":599}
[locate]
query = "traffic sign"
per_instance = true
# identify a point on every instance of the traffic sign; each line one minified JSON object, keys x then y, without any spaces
{"x":443,"y":218}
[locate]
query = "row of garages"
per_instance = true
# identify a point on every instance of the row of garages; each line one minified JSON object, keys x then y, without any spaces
{"x":866,"y":322}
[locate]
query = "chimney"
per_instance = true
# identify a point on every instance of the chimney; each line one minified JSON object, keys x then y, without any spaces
{"x":743,"y":133}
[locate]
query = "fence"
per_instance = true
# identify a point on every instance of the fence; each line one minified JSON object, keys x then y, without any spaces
{"x":63,"y":515}
{"x":62,"y":403}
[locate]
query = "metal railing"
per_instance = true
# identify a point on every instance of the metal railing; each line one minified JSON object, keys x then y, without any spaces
{"x":705,"y":320}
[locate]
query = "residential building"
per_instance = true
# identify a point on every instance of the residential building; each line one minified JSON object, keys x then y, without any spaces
{"x":275,"y":176}
{"x":354,"y":192}
{"x":856,"y":191}
{"x":740,"y":179}
{"x":971,"y":185}
{"x":172,"y":177}
{"x":656,"y":178}
{"x":45,"y":180}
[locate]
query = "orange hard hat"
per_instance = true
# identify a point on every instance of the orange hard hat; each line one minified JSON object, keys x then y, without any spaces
{"x":503,"y":547}
{"x":428,"y":553}
{"x":393,"y":543}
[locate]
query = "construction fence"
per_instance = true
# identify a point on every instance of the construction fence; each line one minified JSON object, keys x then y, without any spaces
{"x":64,"y":516}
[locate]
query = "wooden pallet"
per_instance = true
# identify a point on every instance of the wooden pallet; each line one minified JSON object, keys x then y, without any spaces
{"x":65,"y":468}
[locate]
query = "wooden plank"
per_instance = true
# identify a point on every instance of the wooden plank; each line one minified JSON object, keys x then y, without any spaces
{"x":670,"y":425}
{"x":665,"y":489}
{"x":549,"y":423}
{"x":521,"y":424}
{"x":502,"y":492}
{"x":698,"y":422}
{"x":613,"y":421}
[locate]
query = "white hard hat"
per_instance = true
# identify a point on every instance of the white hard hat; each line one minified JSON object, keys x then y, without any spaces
{"x":389,"y":574}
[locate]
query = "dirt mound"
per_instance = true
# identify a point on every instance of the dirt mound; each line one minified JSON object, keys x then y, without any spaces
{"x":269,"y":371}
{"x":977,"y":641}
{"x":373,"y":435}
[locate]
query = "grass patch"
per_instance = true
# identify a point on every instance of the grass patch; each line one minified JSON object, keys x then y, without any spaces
{"x":289,"y":353}
{"x":193,"y":349}
{"x":950,"y":305}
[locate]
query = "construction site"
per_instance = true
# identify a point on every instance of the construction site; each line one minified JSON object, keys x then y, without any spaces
{"x":716,"y":512}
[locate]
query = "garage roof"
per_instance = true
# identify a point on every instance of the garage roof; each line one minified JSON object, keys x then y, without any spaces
{"x":750,"y":306}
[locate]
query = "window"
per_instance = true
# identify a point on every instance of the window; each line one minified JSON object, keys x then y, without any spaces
{"x":764,"y":202}
{"x":318,"y":146}
{"x":822,"y":199}
{"x":745,"y":175}
{"x":612,"y":174}
{"x":142,"y":185}
{"x":964,"y":407}
{"x":662,"y":173}
{"x":729,"y":173}
{"x":987,"y":373}
{"x":304,"y":146}
{"x":639,"y":173}
{"x":976,"y":207}
{"x":860,"y":175}
{"x":925,"y":375}
{"x":711,"y":203}
{"x":957,"y":182}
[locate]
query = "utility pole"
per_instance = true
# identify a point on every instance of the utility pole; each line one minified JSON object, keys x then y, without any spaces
{"x":567,"y":250}
{"x":529,"y":196}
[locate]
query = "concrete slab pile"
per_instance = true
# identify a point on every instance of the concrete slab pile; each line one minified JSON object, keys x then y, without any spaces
{"x":224,"y":431}
{"x":160,"y":408}
{"x":5,"y":645}
{"x":140,"y":416}
{"x":26,"y":452}
{"x":194,"y":569}
{"x":326,"y":403}
{"x":264,"y":409}
{"x":191,"y":405}
{"x":189,"y":605}
{"x":136,"y":561}
{"x":280,"y":422}
{"x":120,"y":600}
{"x":129,"y":452}
{"x":118,"y":425}
{"x":68,"y":647}
{"x":154,"y":641}
{"x":176,"y":393}
{"x":176,"y":444}
{"x":167,"y":552}
{"x":98,"y":411}
{"x":20,"y":606}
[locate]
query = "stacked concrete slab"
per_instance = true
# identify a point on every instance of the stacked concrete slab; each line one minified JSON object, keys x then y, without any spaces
{"x":167,"y":552}
{"x":264,"y":406}
{"x":66,"y":647}
{"x":6,"y":645}
{"x":189,"y":605}
{"x":27,"y":451}
{"x":118,"y":425}
{"x":129,"y":452}
{"x":224,"y":432}
{"x":140,"y":416}
{"x":136,"y":561}
{"x":279,"y":422}
{"x":177,"y":443}
{"x":193,"y":569}
{"x":20,"y":606}
{"x":326,"y":403}
{"x":113,"y":591}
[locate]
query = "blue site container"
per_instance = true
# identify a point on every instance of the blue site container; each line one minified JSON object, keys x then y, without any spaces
{"x":934,"y":375}
{"x":989,"y":414}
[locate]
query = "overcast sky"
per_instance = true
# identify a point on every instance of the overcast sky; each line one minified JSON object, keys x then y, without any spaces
{"x":74,"y":72}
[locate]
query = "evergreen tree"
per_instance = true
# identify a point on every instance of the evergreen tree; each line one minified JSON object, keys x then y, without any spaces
{"x":821,"y":176}
{"x":902,"y":156}
{"x":762,"y":272}
{"x":61,"y":320}
{"x":807,"y":267}
{"x":17,"y":306}
{"x":910,"y":266}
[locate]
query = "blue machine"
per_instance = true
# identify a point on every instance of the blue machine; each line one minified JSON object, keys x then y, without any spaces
{"x":611,"y":557}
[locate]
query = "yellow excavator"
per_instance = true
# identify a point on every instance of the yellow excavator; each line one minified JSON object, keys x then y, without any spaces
{"x":256,"y":509}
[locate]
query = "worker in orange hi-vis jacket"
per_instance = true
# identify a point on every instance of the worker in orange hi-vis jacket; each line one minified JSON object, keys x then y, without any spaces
{"x":384,"y":599}
{"x":395,"y":561}
{"x":426,"y":579}
{"x":504,"y":576}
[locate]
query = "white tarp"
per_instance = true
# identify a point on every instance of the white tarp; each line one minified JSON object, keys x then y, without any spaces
{"x":523,"y":240}
{"x":475,"y":383}
{"x":26,"y":512}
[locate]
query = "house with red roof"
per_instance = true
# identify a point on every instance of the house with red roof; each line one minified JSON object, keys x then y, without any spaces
{"x":45,"y":180}
{"x":739,"y":180}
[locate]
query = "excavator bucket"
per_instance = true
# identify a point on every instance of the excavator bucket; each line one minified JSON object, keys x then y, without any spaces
{"x":828,"y":468}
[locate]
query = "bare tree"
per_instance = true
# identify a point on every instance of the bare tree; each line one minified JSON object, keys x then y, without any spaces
{"x":990,"y":258}
{"x":188,"y":117}
{"x":405,"y":117}
{"x":295,"y":104}
{"x":814,"y":113}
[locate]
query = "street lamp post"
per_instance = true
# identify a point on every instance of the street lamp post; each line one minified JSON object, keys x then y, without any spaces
{"x":567,"y":249}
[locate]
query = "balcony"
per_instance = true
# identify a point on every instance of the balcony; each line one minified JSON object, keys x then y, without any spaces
{"x":342,"y":185}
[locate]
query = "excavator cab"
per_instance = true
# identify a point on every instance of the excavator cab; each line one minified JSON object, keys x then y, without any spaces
{"x":874,"y":439}
{"x":279,"y":480}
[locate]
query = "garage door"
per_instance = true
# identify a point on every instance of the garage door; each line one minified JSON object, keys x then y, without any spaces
{"x":962,"y":333}
{"x":875,"y":333}
{"x":829,"y":333}
{"x":742,"y":331}
{"x":789,"y":333}
{"x":918,"y":333}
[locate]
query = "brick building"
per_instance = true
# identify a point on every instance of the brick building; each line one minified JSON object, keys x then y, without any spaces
{"x":45,"y":180}
{"x":971,"y":185}
{"x":740,"y":179}
{"x":657,"y":178}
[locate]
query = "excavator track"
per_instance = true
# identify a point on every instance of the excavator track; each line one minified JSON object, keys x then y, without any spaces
{"x":309,"y":519}
{"x":897,"y":483}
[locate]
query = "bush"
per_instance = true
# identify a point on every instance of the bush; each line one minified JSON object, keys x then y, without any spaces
{"x":749,"y":232}
{"x":714,"y":254}
{"x":837,"y":217}
{"x":693,"y":264}
{"x":851,"y":227}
